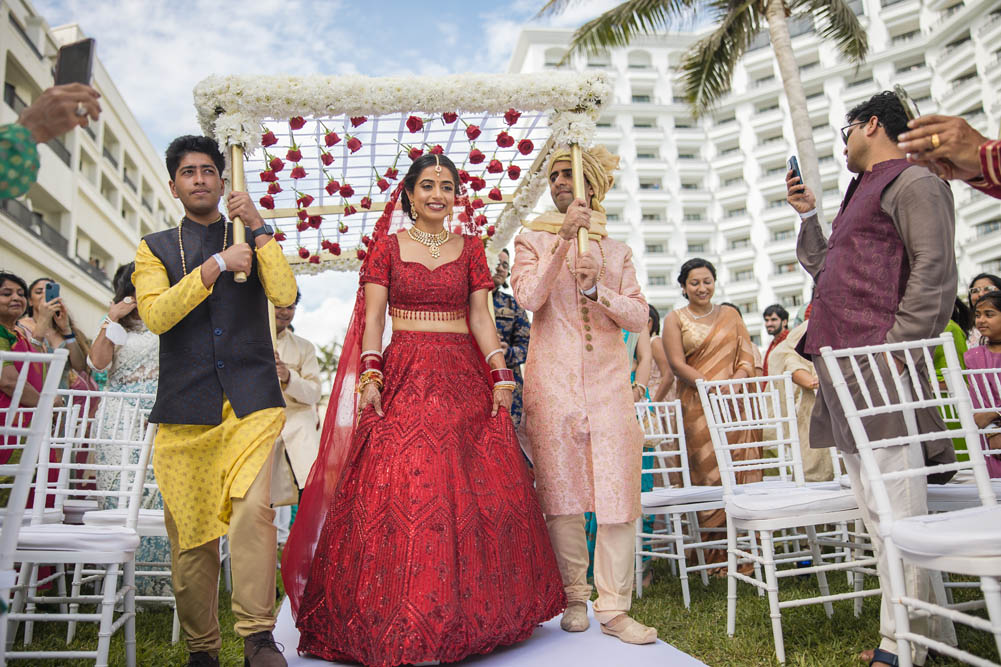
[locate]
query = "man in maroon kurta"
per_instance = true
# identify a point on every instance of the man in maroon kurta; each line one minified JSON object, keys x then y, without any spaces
{"x":886,"y":274}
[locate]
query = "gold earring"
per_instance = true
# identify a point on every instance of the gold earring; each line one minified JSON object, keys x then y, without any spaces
{"x":413,"y":214}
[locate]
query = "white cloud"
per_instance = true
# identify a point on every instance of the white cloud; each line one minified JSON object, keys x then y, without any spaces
{"x":325,"y":310}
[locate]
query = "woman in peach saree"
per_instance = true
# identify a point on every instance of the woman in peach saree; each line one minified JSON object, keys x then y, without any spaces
{"x":710,"y":342}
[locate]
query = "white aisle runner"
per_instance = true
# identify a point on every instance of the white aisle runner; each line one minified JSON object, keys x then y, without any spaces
{"x":547,"y":647}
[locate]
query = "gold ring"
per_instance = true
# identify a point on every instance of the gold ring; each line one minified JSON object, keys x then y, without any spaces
{"x":935,"y":141}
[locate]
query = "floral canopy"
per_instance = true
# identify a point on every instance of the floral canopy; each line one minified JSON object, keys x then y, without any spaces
{"x":323,"y":154}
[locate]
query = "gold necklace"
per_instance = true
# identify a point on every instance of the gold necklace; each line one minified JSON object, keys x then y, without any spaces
{"x":432,"y":241}
{"x":180,"y":244}
{"x":691,"y":313}
{"x":601,"y":271}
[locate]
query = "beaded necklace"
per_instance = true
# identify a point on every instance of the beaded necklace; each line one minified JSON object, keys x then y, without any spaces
{"x":432,"y":241}
{"x":180,"y":243}
{"x":601,"y":271}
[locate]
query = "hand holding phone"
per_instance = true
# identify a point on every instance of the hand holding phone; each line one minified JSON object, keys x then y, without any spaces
{"x":75,"y":63}
{"x":794,"y":167}
{"x":51,"y":291}
{"x":910,"y":108}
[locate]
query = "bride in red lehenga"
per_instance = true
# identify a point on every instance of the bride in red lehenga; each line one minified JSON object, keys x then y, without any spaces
{"x":431,"y":544}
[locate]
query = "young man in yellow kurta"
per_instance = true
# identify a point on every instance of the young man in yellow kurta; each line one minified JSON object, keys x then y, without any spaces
{"x":219,"y":404}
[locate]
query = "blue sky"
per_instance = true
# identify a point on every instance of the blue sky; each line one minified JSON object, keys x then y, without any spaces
{"x":156,"y":51}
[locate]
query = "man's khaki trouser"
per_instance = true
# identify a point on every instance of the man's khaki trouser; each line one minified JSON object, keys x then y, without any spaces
{"x":614,"y":563}
{"x":253,"y":549}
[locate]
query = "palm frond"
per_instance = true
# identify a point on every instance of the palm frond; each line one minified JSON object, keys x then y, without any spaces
{"x":553,"y":7}
{"x":619,"y":25}
{"x":708,"y":64}
{"x":839,"y":23}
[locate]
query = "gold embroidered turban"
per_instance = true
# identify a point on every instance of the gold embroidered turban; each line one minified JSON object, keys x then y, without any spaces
{"x":598,"y":167}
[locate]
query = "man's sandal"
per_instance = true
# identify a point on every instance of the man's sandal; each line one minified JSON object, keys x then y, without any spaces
{"x":629,"y":630}
{"x":887,"y":658}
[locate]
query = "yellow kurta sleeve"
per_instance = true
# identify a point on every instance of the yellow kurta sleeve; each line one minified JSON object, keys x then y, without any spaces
{"x":161,"y":305}
{"x":275,"y":274}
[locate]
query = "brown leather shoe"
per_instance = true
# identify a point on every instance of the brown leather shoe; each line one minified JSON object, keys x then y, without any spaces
{"x":202,"y":659}
{"x":260,"y":650}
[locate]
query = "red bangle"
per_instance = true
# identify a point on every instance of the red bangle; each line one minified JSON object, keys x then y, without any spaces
{"x":502,"y":375}
{"x":371,"y":364}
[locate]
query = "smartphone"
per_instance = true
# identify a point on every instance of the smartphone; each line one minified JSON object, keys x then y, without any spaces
{"x":910,"y":108}
{"x":794,"y":166}
{"x":75,"y":62}
{"x":51,"y":291}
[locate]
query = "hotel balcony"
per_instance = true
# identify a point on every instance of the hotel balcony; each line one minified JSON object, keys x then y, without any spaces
{"x":771,"y":149}
{"x":769,"y":120}
{"x":959,"y":95}
{"x":778,"y":214}
{"x":728,"y":160}
{"x":728,"y":195}
{"x":742,"y":255}
{"x":732,"y":224}
{"x":692,"y":167}
{"x":990,"y":31}
{"x":953,"y":60}
{"x":725,"y":130}
{"x":694,"y":198}
{"x":913,"y":79}
{"x":896,"y":12}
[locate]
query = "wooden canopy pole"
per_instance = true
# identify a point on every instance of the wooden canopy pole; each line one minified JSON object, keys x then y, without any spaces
{"x":579,"y":191}
{"x":239,"y":183}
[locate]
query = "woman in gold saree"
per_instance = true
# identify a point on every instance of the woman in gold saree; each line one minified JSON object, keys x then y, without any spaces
{"x":710,"y":342}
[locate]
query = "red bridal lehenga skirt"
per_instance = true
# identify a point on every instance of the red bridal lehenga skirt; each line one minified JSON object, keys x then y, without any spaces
{"x":434,"y":547}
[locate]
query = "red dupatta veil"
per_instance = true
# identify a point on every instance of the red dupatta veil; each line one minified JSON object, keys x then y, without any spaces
{"x":335,"y":440}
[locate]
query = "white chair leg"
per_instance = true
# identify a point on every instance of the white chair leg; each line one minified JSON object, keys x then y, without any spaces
{"x":825,"y":590}
{"x":61,"y":586}
{"x":992,"y":600}
{"x":900,"y":615}
{"x":130,"y":610}
{"x":638,"y":568}
{"x":17,"y":604}
{"x":700,"y":555}
{"x":107,"y":615}
{"x":771,"y":582}
{"x":29,"y":625}
{"x":74,"y":606}
{"x":227,"y":566}
{"x":175,"y":629}
{"x":679,"y":550}
{"x":753,"y":543}
{"x":859,"y":553}
{"x":731,"y":580}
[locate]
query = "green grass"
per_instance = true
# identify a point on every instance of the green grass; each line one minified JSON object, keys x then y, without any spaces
{"x":811,"y":638}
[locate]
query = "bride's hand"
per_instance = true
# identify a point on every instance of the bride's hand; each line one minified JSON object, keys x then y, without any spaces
{"x":370,"y":395}
{"x":502,"y":397}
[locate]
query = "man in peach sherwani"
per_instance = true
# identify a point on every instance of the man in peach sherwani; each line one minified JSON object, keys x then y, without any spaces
{"x":578,"y":406}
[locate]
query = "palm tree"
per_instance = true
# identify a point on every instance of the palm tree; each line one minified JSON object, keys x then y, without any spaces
{"x":708,"y":65}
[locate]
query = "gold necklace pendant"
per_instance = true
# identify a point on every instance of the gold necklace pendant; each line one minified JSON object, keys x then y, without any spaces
{"x":432,"y":241}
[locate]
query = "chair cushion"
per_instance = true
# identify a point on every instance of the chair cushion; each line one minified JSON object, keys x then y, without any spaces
{"x":49,"y":515}
{"x":958,"y":496}
{"x":63,"y":537}
{"x":151,"y":522}
{"x":783,"y":503}
{"x":974,"y":532}
{"x":681,"y":496}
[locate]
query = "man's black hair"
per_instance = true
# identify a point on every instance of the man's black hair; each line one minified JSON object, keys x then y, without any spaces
{"x":887,"y":108}
{"x":776,"y":309}
{"x":190,"y":143}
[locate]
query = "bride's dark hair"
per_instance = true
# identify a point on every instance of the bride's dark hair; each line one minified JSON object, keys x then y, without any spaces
{"x":419,"y":165}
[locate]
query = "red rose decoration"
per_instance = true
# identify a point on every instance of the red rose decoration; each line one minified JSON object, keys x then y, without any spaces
{"x":274,"y":188}
{"x":415,"y":124}
{"x":415,"y":153}
{"x":293,"y":155}
{"x":472,"y":131}
{"x":331,"y":138}
{"x":511,"y":116}
{"x":347,"y":191}
{"x":449,"y":117}
{"x":296,"y":123}
{"x":268,"y":176}
{"x":335,"y":248}
{"x":354,"y":144}
{"x":304,"y":201}
{"x":366,"y":240}
{"x":505,"y":140}
{"x":463,"y":217}
{"x":365,"y":203}
{"x":495,"y":167}
{"x":495,"y":194}
{"x":280,"y":236}
{"x":491,"y":230}
{"x":268,"y":202}
{"x":437,"y":150}
{"x":326,"y":158}
{"x":302,"y":213}
{"x":342,"y":228}
{"x":464,"y":176}
{"x":392,"y":174}
{"x":361,"y":254}
{"x":513,"y":172}
{"x":476,"y":156}
{"x":276,"y":164}
{"x":332,"y":187}
{"x":268,"y":139}
{"x":315,"y":221}
{"x":350,"y":210}
{"x":477,"y":183}
{"x":298,"y":172}
{"x":302,"y":225}
{"x":525,"y":146}
{"x":382,"y":184}
{"x":480,"y":220}
{"x":314,"y":259}
{"x":358,"y":120}
{"x":303,"y":253}
{"x":476,"y":203}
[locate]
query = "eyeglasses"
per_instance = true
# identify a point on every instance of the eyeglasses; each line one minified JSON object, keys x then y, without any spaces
{"x":845,"y":135}
{"x":983,"y":290}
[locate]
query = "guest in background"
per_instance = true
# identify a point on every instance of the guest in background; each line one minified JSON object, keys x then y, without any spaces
{"x":980,"y":285}
{"x":513,"y":329}
{"x":960,"y":327}
{"x":51,"y":327}
{"x":984,"y":390}
{"x":129,"y":355}
{"x":777,"y":326}
{"x":662,"y":386}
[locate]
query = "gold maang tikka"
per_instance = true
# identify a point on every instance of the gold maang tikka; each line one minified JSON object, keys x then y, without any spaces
{"x":437,"y":165}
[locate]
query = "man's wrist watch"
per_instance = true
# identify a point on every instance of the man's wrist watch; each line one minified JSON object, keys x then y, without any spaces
{"x":262,"y":230}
